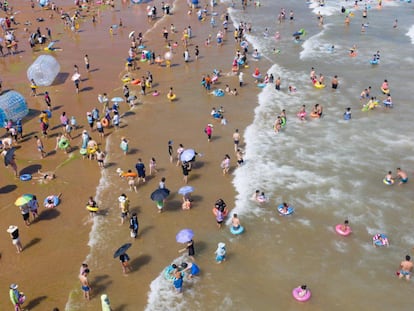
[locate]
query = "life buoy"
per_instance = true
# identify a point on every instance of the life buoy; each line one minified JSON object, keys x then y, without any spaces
{"x":51,"y":201}
{"x":136,"y":81}
{"x":338,"y":230}
{"x":91,"y":150}
{"x":93,"y":209}
{"x":104,"y":122}
{"x":290,"y":210}
{"x":126,"y":79}
{"x":171,"y":97}
{"x":237,"y":231}
{"x":218,"y":92}
{"x":297,"y":290}
{"x":318,"y":85}
{"x":25,"y":177}
{"x":63,"y":144}
{"x":129,"y":174}
{"x":155,"y":93}
{"x":388,"y":182}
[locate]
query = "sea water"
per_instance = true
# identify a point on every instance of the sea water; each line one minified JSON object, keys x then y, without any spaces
{"x":328,"y":169}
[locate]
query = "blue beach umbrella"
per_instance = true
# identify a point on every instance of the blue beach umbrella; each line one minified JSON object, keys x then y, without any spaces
{"x":117,"y":99}
{"x":185,"y":190}
{"x":184,"y":236}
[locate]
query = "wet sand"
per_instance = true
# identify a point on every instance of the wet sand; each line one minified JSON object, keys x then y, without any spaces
{"x":58,"y":241}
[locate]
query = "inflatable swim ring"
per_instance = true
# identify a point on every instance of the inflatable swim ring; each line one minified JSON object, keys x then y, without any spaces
{"x":256,"y":56}
{"x":318,"y":85}
{"x":387,"y":103}
{"x":343,"y":233}
{"x":257,"y":76}
{"x":374,"y":62}
{"x":297,"y":290}
{"x":32,"y":86}
{"x":377,"y":242}
{"x":237,"y":231}
{"x":385,"y":91}
{"x":225,"y":212}
{"x":218,"y":92}
{"x":289,"y":211}
{"x":155,"y":93}
{"x":55,"y":201}
{"x":63,"y":144}
{"x":25,"y":177}
{"x":388,"y":182}
{"x":104,"y":122}
{"x":352,"y":54}
{"x":129,"y":174}
{"x":244,"y":44}
{"x":91,"y":150}
{"x":136,"y":81}
{"x":171,"y":97}
{"x":141,"y":47}
{"x":83,"y":151}
{"x":261,"y":85}
{"x":240,"y":61}
{"x":126,"y":79}
{"x":92,"y":208}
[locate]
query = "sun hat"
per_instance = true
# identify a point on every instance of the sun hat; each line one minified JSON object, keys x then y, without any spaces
{"x":11,"y":228}
{"x":221,"y":245}
{"x":14,"y":286}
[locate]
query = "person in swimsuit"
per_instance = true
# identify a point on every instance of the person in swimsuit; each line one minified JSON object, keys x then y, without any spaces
{"x":402,"y":176}
{"x":83,"y":278}
{"x":334,"y":82}
{"x":345,"y":226}
{"x":235,"y":222}
{"x":406,"y":268}
{"x":236,"y":139}
{"x":388,"y":178}
{"x":190,"y":248}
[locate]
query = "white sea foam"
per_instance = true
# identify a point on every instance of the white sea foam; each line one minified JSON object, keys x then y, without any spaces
{"x":410,"y":33}
{"x":162,"y":294}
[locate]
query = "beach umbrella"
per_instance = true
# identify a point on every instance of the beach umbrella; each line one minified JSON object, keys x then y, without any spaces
{"x":184,"y":236}
{"x":188,"y":155}
{"x":194,"y":2}
{"x":75,"y":76}
{"x":24,"y":199}
{"x":160,"y":194}
{"x":8,"y":158}
{"x":122,"y":250}
{"x":131,"y":34}
{"x":51,"y":44}
{"x":185,"y":190}
{"x":117,"y":99}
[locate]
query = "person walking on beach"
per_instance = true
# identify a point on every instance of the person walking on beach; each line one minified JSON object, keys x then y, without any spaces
{"x":86,"y":60}
{"x":186,"y":167}
{"x":134,"y":225}
{"x":209,"y":131}
{"x":236,"y":140}
{"x":25,"y":211}
{"x":180,"y":150}
{"x":152,"y":166}
{"x":17,"y":298}
{"x":123,"y":206}
{"x":14,"y":234}
{"x":33,"y":87}
{"x":190,"y":248}
{"x":48,"y":100}
{"x":225,"y":164}
{"x":140,"y":167}
{"x":124,"y":259}
{"x":86,"y":288}
{"x":170,"y":150}
{"x":34,"y":206}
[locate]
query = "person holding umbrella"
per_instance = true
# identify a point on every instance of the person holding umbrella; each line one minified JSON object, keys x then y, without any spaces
{"x":124,"y":259}
{"x":159,"y":196}
{"x":190,"y":248}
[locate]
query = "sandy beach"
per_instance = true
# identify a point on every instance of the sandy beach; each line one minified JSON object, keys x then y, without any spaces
{"x":56,"y":244}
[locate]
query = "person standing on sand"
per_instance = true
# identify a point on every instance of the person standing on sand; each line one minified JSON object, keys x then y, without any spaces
{"x":140,"y":167}
{"x":186,"y":167}
{"x":236,"y":139}
{"x":170,"y":150}
{"x":180,"y":150}
{"x":40,"y":147}
{"x":209,"y":131}
{"x":86,"y":60}
{"x":14,"y":234}
{"x":134,"y":225}
{"x":86,"y":288}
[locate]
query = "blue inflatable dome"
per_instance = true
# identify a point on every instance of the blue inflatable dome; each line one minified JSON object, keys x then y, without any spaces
{"x":12,"y":107}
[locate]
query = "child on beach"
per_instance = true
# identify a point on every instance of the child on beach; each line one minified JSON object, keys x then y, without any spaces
{"x":220,"y":252}
{"x":152,"y":166}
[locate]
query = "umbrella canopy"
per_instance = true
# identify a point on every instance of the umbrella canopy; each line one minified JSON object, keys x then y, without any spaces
{"x":188,"y":155}
{"x":117,"y":99}
{"x":184,"y":236}
{"x":131,"y":34}
{"x":8,"y":158}
{"x":51,"y":44}
{"x":24,"y":199}
{"x":75,"y":76}
{"x":122,"y":250}
{"x":168,"y":55}
{"x":160,"y":194}
{"x":185,"y":190}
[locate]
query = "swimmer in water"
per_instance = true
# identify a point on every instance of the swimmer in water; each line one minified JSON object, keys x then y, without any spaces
{"x":401,"y":176}
{"x":345,"y":226}
{"x":388,"y":178}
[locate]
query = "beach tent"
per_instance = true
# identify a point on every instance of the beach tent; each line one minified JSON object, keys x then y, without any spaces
{"x":43,"y":70}
{"x":12,"y":107}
